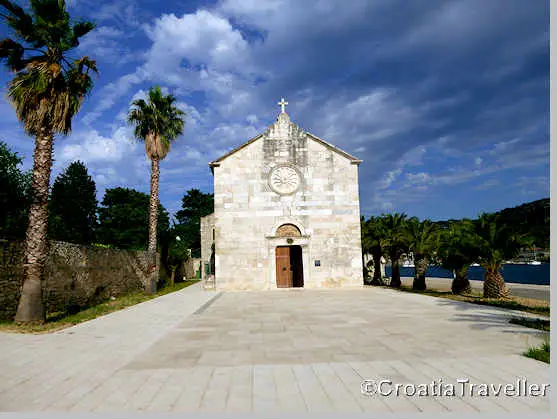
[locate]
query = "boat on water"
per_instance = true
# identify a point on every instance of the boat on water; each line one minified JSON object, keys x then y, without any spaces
{"x":407,"y":264}
{"x":475,"y":264}
{"x":534,"y":262}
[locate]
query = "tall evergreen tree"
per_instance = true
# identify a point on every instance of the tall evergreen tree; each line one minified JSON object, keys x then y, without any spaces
{"x":73,"y":206}
{"x":14,"y":194}
{"x":195,"y":204}
{"x":124,"y":217}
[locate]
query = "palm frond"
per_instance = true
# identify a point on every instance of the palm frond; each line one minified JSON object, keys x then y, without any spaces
{"x":48,"y":89}
{"x":12,"y":52}
{"x":80,"y":29}
{"x":157,"y":122}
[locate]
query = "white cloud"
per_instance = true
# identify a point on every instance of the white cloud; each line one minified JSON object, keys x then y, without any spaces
{"x":503,"y":146}
{"x":390,"y":177}
{"x":104,"y":44}
{"x":417,"y":179}
{"x":107,"y":177}
{"x":201,"y":38}
{"x":373,"y":116}
{"x":113,"y":92}
{"x":92,"y":147}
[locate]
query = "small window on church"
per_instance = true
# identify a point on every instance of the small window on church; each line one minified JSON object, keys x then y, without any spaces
{"x":213,"y":234}
{"x":288,"y":230}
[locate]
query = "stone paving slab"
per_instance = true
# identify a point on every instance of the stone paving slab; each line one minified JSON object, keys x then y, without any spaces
{"x":284,"y":350}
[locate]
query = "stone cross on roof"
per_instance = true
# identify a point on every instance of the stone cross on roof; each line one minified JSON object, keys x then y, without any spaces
{"x":282,"y":104}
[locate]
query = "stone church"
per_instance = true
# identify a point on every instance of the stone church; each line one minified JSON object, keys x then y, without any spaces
{"x":287,"y":214}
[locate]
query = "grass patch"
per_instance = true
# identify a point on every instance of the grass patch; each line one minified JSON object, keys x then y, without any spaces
{"x":540,"y":353}
{"x":61,"y":320}
{"x":529,"y":305}
{"x":540,"y":324}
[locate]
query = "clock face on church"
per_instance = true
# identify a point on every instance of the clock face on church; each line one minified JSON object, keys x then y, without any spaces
{"x":284,"y":180}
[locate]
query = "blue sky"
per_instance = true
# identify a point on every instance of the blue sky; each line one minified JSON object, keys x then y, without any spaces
{"x":447,"y":102}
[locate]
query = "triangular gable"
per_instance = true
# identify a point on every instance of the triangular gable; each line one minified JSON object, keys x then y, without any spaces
{"x":353,"y":160}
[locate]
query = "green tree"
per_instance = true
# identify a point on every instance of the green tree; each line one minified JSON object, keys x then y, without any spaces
{"x":123,"y":217}
{"x":458,"y":250}
{"x":396,"y":243}
{"x":530,"y":219}
{"x":157,"y":123}
{"x":178,"y":253}
{"x":195,"y":204}
{"x":374,"y":243}
{"x":423,"y":241}
{"x":14,"y":194}
{"x":47,"y":90}
{"x":496,"y":243}
{"x":73,"y":206}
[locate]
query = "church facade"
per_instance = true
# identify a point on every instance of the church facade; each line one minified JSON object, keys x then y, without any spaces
{"x":287,"y":214}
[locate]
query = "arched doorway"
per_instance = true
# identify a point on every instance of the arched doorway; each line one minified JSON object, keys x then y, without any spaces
{"x":289,"y":265}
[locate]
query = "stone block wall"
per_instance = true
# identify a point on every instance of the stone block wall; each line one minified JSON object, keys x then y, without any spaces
{"x":191,"y":267}
{"x":75,"y":276}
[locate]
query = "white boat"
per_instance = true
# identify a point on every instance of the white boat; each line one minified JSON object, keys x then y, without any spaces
{"x":534,"y":262}
{"x":407,"y":264}
{"x":475,"y":264}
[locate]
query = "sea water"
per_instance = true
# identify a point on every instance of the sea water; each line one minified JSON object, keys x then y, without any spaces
{"x":518,"y":273}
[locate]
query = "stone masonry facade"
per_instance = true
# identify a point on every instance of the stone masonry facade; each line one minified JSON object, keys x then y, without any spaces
{"x":285,"y":176}
{"x":75,"y":276}
{"x":207,"y":240}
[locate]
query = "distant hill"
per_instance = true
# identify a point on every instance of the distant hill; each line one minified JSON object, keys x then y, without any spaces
{"x":531,"y":218}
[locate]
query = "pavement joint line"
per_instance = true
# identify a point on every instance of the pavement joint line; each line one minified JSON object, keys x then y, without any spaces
{"x":205,"y":306}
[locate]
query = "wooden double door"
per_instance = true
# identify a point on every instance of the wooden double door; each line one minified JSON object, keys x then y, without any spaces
{"x":290,"y":271}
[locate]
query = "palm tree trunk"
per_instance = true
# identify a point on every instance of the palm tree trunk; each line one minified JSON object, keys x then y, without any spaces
{"x":420,"y":268}
{"x":377,"y":280}
{"x":31,"y":308}
{"x":154,"y":205}
{"x":494,"y":285}
{"x":395,"y":275}
{"x":153,"y":215}
{"x":461,"y":284}
{"x":172,"y":275}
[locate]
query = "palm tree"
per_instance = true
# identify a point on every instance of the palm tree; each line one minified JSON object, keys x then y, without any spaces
{"x":373,"y":242}
{"x":46,"y":91}
{"x":423,"y":242}
{"x":157,"y":123}
{"x":396,"y":243}
{"x":458,"y":250}
{"x":496,"y":243}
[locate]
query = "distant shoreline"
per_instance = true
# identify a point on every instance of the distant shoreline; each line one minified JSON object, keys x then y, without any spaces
{"x":512,"y":273}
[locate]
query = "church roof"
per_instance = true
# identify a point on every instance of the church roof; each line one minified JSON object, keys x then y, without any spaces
{"x":354,"y":160}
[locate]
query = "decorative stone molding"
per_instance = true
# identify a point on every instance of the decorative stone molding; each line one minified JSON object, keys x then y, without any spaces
{"x":288,"y":230}
{"x":284,"y":179}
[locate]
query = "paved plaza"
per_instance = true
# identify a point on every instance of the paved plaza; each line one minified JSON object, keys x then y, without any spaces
{"x":283,"y":350}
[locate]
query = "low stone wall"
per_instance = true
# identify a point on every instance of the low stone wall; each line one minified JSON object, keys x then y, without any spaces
{"x":75,"y":276}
